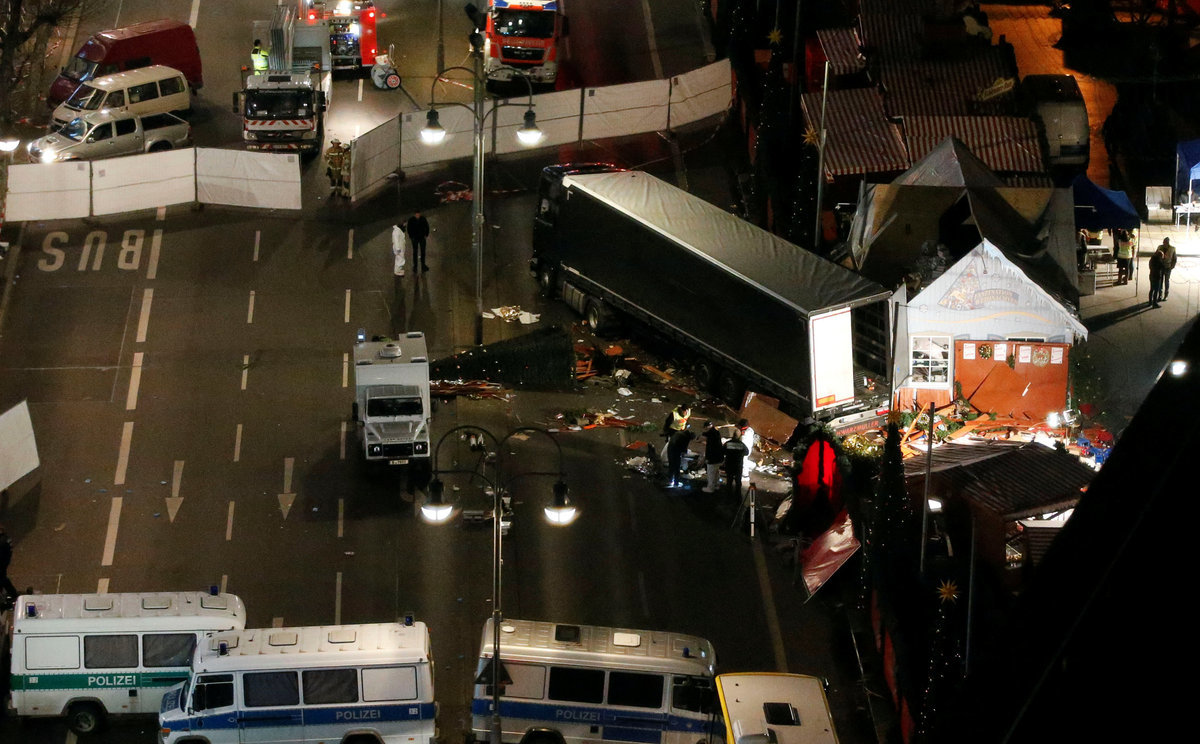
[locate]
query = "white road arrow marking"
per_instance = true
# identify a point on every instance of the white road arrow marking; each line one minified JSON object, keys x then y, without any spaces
{"x":174,"y":501}
{"x":287,"y":497}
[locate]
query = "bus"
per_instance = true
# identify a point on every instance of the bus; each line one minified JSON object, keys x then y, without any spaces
{"x":86,"y":656}
{"x":338,"y":683}
{"x":770,"y":708}
{"x":567,"y":684}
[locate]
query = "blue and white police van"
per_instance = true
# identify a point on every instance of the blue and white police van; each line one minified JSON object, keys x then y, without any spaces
{"x":571,"y":684}
{"x":353,"y":684}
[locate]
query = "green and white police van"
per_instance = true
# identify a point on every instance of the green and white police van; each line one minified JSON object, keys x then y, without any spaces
{"x":336,"y":684}
{"x":87,"y":656}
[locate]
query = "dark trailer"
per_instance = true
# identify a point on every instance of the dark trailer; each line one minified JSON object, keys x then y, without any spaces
{"x":751,"y":308}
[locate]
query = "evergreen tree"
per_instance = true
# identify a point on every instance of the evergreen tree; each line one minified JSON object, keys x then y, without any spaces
{"x":771,"y":151}
{"x":895,"y":515}
{"x":945,"y":675}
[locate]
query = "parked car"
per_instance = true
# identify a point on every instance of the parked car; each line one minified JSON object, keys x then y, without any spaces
{"x":149,"y":90}
{"x":104,"y":134}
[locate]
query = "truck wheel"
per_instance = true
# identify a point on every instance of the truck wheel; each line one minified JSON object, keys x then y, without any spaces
{"x":85,"y":718}
{"x":392,"y":81}
{"x":599,"y":317}
{"x":731,"y":389}
{"x":160,"y":147}
{"x":706,"y":375}
{"x":354,"y":411}
{"x":546,"y":281}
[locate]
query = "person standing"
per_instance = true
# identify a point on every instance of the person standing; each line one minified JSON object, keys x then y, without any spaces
{"x":418,"y":232}
{"x":258,"y":57}
{"x":1157,"y":264}
{"x":1124,"y":255}
{"x":1169,"y":259}
{"x":750,"y":439}
{"x":676,"y":420}
{"x":398,"y":250}
{"x":714,"y":456}
{"x":6,"y":585}
{"x":337,"y":159}
{"x":734,"y":462}
{"x":679,"y":443}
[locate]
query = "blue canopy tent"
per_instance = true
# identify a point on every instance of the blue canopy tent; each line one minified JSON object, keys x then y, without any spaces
{"x":1187,"y":169}
{"x":1098,"y":208}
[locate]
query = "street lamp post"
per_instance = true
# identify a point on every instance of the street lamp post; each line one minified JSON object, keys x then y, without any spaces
{"x":433,"y":133}
{"x":561,"y":512}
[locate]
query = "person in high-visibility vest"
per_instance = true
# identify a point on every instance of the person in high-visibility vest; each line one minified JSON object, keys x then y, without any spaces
{"x":258,"y":56}
{"x":337,"y":161}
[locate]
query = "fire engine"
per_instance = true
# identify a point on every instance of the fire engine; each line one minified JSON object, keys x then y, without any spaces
{"x":352,"y":41}
{"x":522,"y":37}
{"x":283,"y":107}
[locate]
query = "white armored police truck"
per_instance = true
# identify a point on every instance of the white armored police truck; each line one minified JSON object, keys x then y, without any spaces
{"x":391,"y":398}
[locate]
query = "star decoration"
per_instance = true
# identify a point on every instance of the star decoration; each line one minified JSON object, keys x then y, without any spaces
{"x":775,"y":36}
{"x":948,"y":591}
{"x":811,"y":137}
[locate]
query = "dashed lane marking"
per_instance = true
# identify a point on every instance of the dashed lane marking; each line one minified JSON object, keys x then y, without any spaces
{"x":110,"y":535}
{"x":123,"y":453}
{"x":135,"y":381}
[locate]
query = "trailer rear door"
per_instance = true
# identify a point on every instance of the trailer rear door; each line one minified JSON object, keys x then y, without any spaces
{"x":832,"y":359}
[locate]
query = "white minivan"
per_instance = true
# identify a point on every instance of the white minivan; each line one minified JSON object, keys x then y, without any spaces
{"x":86,"y":656}
{"x":146,"y":90}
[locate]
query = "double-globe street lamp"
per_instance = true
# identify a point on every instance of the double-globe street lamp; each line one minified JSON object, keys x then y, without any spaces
{"x":433,"y":133}
{"x":437,"y":510}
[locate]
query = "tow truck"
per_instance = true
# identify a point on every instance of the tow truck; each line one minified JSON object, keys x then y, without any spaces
{"x":352,"y":40}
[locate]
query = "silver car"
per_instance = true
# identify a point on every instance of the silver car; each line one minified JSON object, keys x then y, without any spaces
{"x":104,"y":134}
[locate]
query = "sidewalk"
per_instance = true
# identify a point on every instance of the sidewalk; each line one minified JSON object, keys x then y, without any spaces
{"x":1130,"y":342}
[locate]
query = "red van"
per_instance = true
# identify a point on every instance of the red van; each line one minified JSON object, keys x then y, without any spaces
{"x":162,"y":42}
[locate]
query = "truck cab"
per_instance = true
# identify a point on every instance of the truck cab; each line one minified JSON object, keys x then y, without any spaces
{"x":391,"y":398}
{"x":522,"y":37}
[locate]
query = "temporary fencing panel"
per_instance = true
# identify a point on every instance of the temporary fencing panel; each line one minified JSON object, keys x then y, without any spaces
{"x":373,"y":157}
{"x":557,"y":117}
{"x":49,"y":191}
{"x":148,"y":181}
{"x":58,"y":191}
{"x":248,"y":179}
{"x":620,"y":110}
{"x":701,"y":93}
{"x":459,"y":124}
{"x":18,"y":446}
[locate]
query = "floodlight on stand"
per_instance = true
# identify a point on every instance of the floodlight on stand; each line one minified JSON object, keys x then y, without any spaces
{"x":1054,"y":419}
{"x":562,"y":512}
{"x":529,"y":134}
{"x":432,"y":133}
{"x":435,"y":509}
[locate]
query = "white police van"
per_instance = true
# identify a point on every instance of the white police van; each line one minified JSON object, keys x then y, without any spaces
{"x":86,"y":656}
{"x":569,"y":684}
{"x":354,"y":684}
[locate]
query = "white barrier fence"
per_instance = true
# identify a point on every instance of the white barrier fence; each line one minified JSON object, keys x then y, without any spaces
{"x":79,"y":189}
{"x":76,"y":190}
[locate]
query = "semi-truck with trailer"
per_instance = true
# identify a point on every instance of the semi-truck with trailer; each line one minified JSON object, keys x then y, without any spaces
{"x":745,"y":308}
{"x":391,"y":398}
{"x":283,"y":108}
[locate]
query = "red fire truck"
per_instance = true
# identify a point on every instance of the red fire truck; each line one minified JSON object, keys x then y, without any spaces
{"x":352,"y":41}
{"x":523,"y":37}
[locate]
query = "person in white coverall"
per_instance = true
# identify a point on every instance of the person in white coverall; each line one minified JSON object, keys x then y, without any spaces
{"x":399,"y":245}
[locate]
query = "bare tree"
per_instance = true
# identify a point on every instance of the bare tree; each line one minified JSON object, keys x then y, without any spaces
{"x":25,"y":27}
